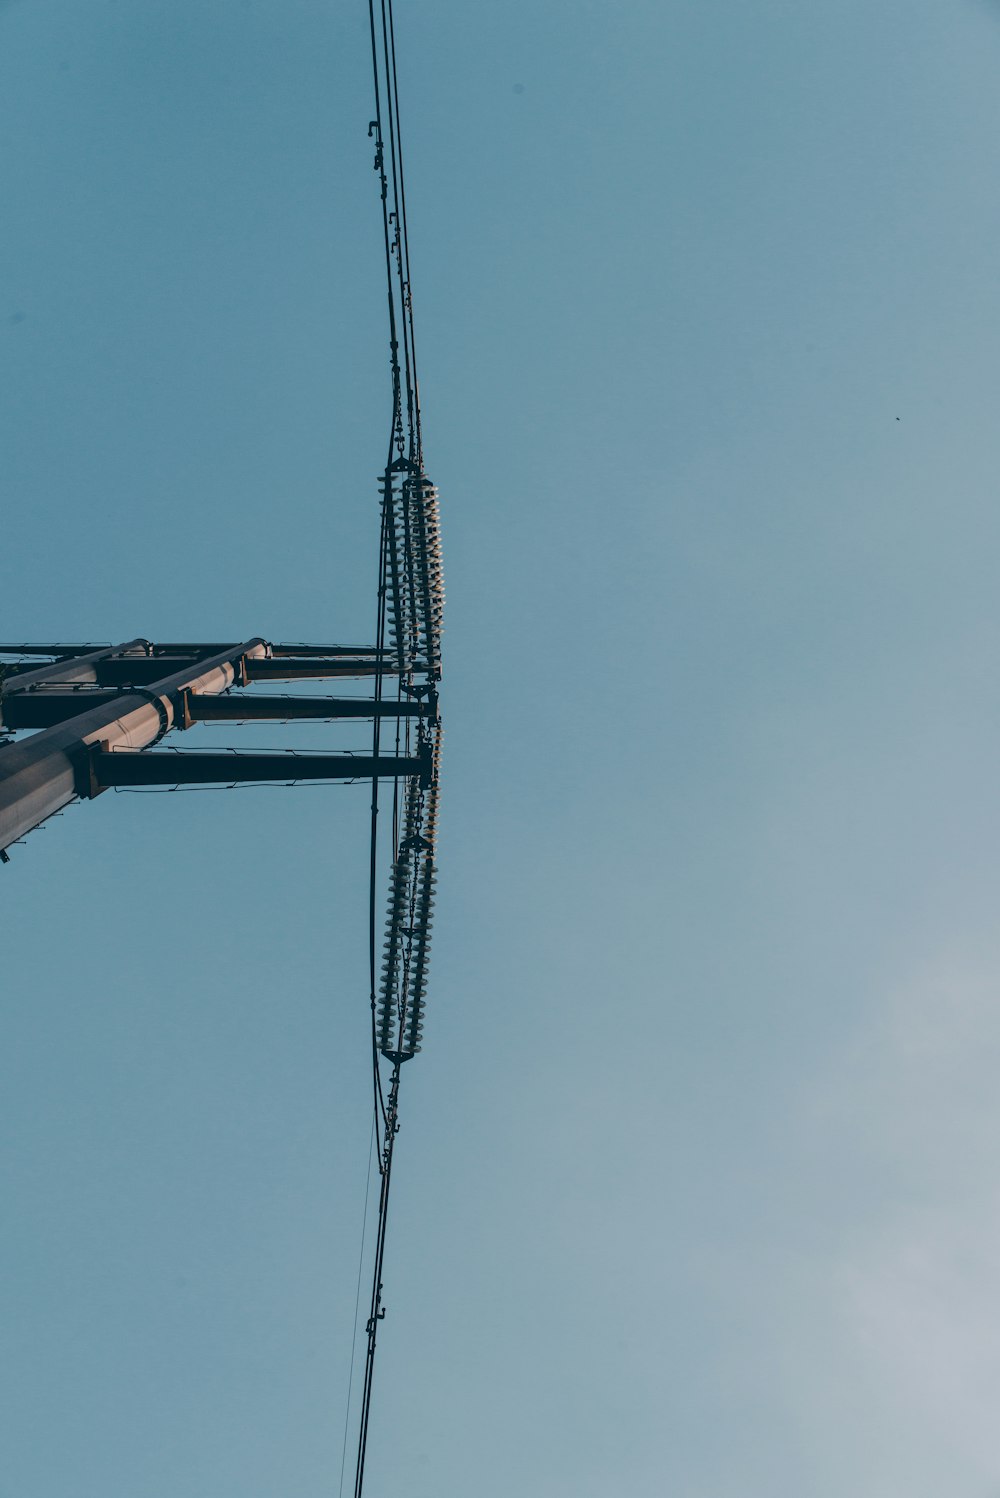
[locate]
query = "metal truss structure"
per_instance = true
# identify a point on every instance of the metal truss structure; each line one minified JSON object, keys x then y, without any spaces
{"x":98,"y":713}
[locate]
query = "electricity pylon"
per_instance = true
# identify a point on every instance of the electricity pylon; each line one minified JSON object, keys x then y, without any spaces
{"x":99,"y":711}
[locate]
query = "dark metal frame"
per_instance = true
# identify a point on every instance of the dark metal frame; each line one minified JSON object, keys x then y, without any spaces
{"x":98,"y":710}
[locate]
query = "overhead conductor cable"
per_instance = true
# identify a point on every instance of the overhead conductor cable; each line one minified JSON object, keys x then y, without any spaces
{"x":409,"y":624}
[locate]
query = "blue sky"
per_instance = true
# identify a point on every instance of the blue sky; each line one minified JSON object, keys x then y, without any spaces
{"x":697,"y":1189}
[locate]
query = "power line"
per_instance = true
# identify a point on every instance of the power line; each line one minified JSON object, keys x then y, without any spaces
{"x":409,"y":610}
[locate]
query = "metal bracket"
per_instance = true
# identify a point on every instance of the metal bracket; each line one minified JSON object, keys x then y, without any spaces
{"x":87,"y":784}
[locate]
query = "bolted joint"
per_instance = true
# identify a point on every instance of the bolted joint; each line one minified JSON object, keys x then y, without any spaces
{"x":87,"y":784}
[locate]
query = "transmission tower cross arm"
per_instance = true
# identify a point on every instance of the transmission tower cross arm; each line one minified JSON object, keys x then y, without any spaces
{"x":96,"y":711}
{"x":232,"y":767}
{"x":42,"y":774}
{"x":49,"y":705}
{"x":258,"y":707}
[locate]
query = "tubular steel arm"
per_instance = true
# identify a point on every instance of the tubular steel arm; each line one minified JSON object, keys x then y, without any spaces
{"x":98,"y":711}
